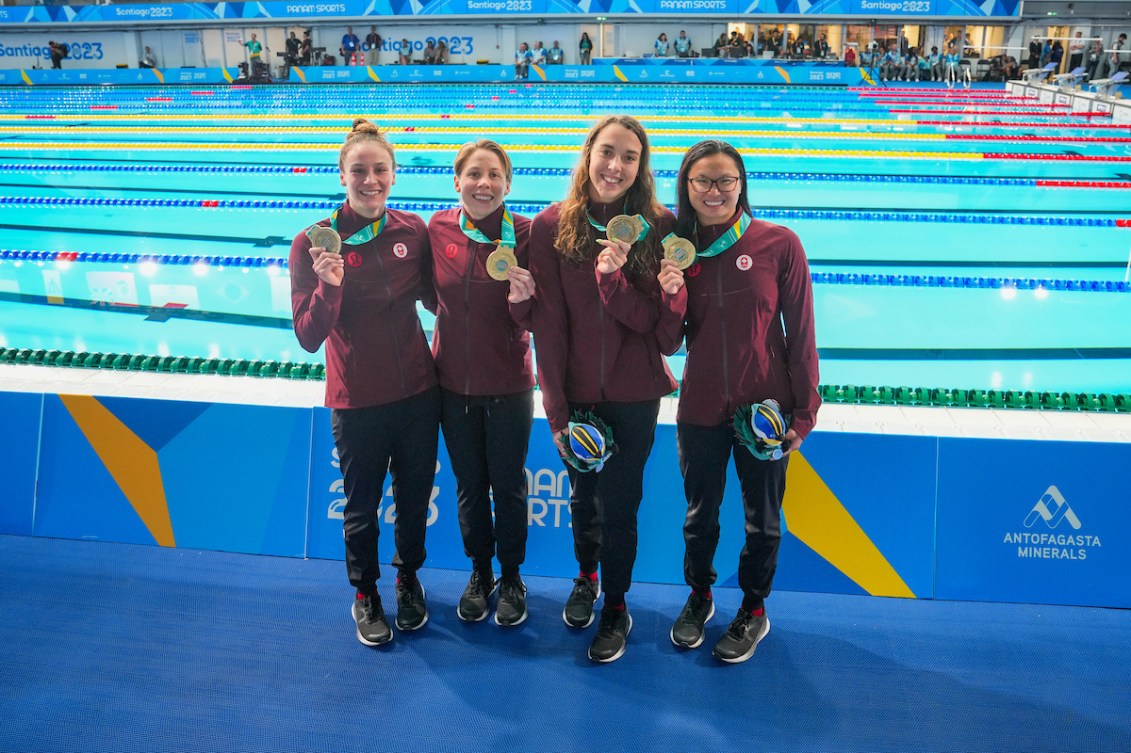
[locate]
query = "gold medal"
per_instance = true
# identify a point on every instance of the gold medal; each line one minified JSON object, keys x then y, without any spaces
{"x":325,"y":237}
{"x":500,"y":262}
{"x":623,"y":228}
{"x":680,"y":250}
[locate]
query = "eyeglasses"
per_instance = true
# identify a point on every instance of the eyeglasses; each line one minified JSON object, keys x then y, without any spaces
{"x":725,"y":184}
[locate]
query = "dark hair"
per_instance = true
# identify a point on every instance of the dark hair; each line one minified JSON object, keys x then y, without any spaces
{"x":686,"y":222}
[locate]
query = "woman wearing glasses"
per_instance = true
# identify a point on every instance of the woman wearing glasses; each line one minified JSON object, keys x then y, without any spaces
{"x":747,"y":304}
{"x":595,"y":320}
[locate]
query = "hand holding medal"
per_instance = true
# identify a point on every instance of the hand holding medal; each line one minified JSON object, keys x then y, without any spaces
{"x":325,"y":250}
{"x":500,"y":262}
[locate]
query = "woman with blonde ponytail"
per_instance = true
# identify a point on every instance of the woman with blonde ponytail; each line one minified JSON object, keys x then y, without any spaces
{"x":598,"y":310}
{"x":355,"y":279}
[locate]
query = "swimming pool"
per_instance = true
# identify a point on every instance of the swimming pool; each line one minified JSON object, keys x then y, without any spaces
{"x":966,"y":240}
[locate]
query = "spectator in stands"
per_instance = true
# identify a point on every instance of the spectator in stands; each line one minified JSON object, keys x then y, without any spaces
{"x":556,"y":56}
{"x":57,"y":51}
{"x":430,"y":53}
{"x":538,"y":54}
{"x":821,"y":48}
{"x":350,"y":45}
{"x":1046,"y":53}
{"x":1076,"y":51}
{"x":372,"y":46}
{"x":254,"y":54}
{"x":147,"y":60}
{"x":1035,"y":53}
{"x":849,"y":57}
{"x":294,"y":49}
{"x":406,"y":52}
{"x":1096,"y":60}
{"x":306,"y":49}
{"x":1056,"y":55}
{"x":585,"y":48}
{"x":935,"y":61}
{"x":911,"y":65}
{"x":442,"y":53}
{"x":721,"y":46}
{"x":1121,"y":57}
{"x":661,"y":45}
{"x":522,"y":58}
{"x":683,"y":45}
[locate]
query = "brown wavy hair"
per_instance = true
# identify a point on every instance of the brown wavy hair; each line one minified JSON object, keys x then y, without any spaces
{"x":577,"y":238}
{"x":363,"y":131}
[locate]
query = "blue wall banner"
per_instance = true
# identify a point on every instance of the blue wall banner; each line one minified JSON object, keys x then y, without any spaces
{"x":320,"y":9}
{"x":643,"y":70}
{"x":19,"y":454}
{"x":142,"y":76}
{"x":221,"y":477}
{"x":883,"y":515}
{"x":1038,"y":522}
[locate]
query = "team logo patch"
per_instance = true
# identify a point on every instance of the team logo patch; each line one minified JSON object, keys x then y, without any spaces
{"x":353,"y":258}
{"x":400,"y":250}
{"x":744,"y":262}
{"x":693,"y":270}
{"x":451,"y":251}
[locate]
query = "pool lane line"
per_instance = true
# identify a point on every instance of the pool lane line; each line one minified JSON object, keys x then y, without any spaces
{"x":231,"y":169}
{"x":818,"y":278}
{"x":790,"y":134}
{"x":267,"y":241}
{"x":943,"y":216}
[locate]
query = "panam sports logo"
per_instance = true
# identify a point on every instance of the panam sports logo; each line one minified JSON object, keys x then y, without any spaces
{"x":1047,"y":542}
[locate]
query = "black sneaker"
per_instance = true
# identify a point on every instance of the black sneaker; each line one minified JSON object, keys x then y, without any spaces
{"x":372,"y":627}
{"x":475,"y":602}
{"x":578,"y":610}
{"x":742,"y":637}
{"x":612,"y":635}
{"x":412,"y":611}
{"x":688,"y":628}
{"x":511,"y":610}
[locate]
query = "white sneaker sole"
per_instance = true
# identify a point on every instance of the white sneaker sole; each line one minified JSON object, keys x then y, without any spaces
{"x":365,"y":642}
{"x":750,"y":652}
{"x":423,"y":622}
{"x":486,"y":612}
{"x":592,"y":612}
{"x":618,"y":654}
{"x":698,"y":643}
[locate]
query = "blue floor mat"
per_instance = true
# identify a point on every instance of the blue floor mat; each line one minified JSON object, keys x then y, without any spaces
{"x":112,"y":647}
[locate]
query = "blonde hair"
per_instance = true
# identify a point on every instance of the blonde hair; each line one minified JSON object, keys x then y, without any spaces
{"x":362,"y":132}
{"x":486,"y":145}
{"x":576,"y":237}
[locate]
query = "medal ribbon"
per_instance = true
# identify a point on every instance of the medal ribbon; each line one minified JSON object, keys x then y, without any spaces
{"x":477,"y":235}
{"x":366,"y":234}
{"x":640,"y":218}
{"x":727,"y":239}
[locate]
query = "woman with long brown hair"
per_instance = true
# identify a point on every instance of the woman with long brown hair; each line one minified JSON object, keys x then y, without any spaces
{"x":598,"y":308}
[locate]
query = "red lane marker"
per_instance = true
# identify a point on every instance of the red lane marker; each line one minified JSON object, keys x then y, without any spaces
{"x":1123,"y":223}
{"x":299,"y":170}
{"x":1057,"y":157}
{"x":1042,"y":139}
{"x":158,"y":99}
{"x":1021,"y":124}
{"x":104,"y":107}
{"x":202,"y":93}
{"x":1083,"y":184}
{"x":39,"y":117}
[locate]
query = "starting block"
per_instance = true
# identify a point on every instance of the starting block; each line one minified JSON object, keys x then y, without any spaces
{"x":1033,"y":75}
{"x":1104,"y":86}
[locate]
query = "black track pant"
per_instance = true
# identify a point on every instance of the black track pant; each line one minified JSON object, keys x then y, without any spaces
{"x":401,"y":438}
{"x":703,"y":457}
{"x":487,"y":439}
{"x":604,"y":505}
